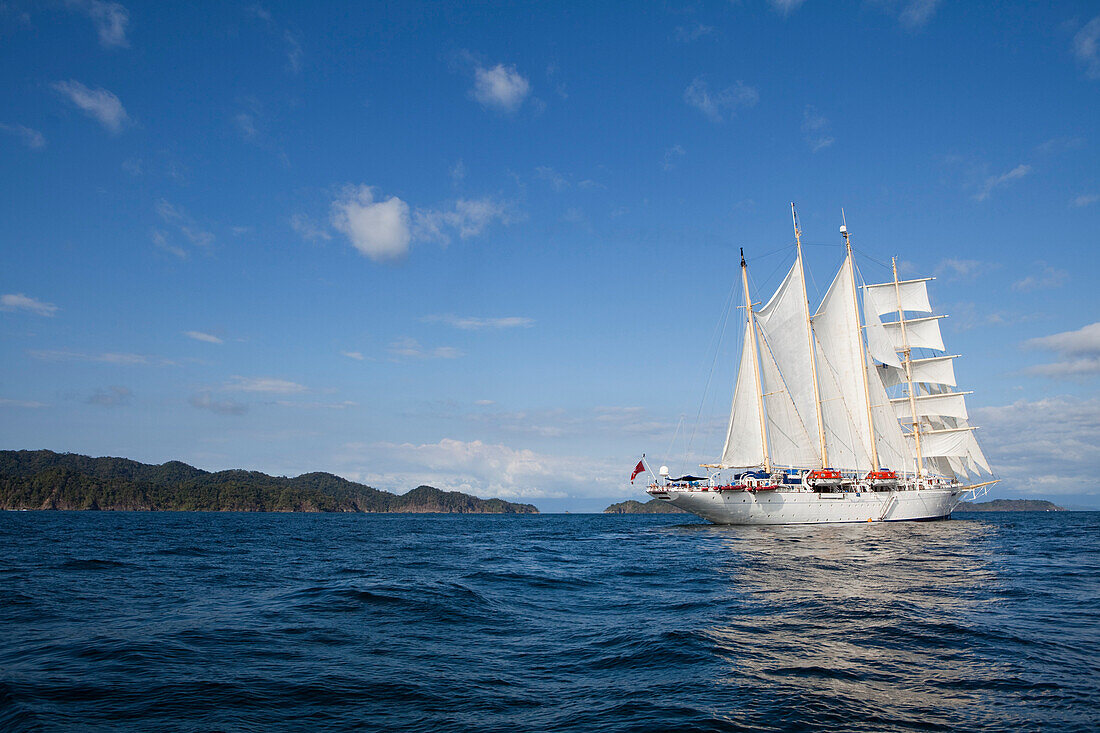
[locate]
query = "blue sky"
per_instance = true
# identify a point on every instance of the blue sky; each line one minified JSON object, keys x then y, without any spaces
{"x":488,"y":247}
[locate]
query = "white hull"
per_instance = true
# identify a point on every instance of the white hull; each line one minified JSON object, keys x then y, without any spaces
{"x":809,"y":507}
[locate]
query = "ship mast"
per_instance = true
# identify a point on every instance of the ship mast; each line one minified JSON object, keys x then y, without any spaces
{"x":810,"y":335}
{"x":859,"y":340}
{"x":907,"y":353}
{"x":756,"y":362}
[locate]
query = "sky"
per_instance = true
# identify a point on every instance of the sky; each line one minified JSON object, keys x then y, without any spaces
{"x":490,"y":247}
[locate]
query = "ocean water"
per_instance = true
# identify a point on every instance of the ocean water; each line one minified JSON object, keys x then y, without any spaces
{"x":198,"y":622}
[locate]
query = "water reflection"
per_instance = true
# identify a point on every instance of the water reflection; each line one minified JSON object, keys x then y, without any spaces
{"x":871,"y":621}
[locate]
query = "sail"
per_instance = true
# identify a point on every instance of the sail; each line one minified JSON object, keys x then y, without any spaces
{"x":840,"y":378}
{"x":879,"y":345}
{"x":949,"y":404}
{"x":936,"y":370}
{"x":893,"y":452}
{"x":945,"y":442}
{"x":919,"y":333}
{"x":789,"y":442}
{"x":787,"y":374}
{"x":884,"y":298}
{"x":744,"y":443}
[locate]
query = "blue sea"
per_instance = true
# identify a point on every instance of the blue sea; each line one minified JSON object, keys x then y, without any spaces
{"x":258,"y":622}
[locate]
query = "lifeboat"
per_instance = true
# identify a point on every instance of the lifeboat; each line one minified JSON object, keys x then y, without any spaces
{"x":883,"y":479}
{"x":823,"y":477}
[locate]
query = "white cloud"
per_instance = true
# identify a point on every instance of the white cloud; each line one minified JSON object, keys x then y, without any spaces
{"x":206,"y":401}
{"x":1044,"y":277}
{"x":19,"y":301}
{"x":458,"y":172}
{"x":200,"y":336}
{"x":687,"y":34}
{"x":378,"y":229}
{"x":263,"y":384}
{"x":1080,"y":352}
{"x":484,"y":403}
{"x":993,"y":182}
{"x":815,"y":129}
{"x":470,"y":323}
{"x":246,"y":125}
{"x":501,"y":87}
{"x":785,"y":7}
{"x":317,"y":405}
{"x":1085,"y":199}
{"x":962,"y":269}
{"x":26,"y":404}
{"x":556,"y":180}
{"x":160,"y":239}
{"x":1047,"y":446}
{"x":100,"y":104}
{"x":119,"y":359}
{"x":111,"y":397}
{"x":468,"y":218}
{"x":110,"y":20}
{"x":33,"y":139}
{"x":353,"y":355}
{"x":411,"y":348}
{"x":717,"y":105}
{"x":186,"y":225}
{"x":307,"y":229}
{"x":1086,"y":48}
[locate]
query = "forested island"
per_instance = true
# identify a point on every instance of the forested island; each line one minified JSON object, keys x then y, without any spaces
{"x":1010,"y":505}
{"x":653,"y":506}
{"x":46,"y":480}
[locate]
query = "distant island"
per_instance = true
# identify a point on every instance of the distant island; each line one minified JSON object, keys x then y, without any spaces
{"x":1010,"y":505}
{"x":46,"y":480}
{"x":653,"y":506}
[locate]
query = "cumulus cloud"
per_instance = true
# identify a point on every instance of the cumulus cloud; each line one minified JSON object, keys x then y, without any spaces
{"x":33,"y":139}
{"x":815,"y":129}
{"x":21,"y":302}
{"x":263,"y":384}
{"x":98,"y":104}
{"x":1085,"y":199}
{"x":1047,"y":446}
{"x":111,"y":20}
{"x":1086,"y":48}
{"x":962,"y":269}
{"x":113,"y":396}
{"x":501,"y":87}
{"x":470,"y":323}
{"x":205,"y":400}
{"x":378,"y":229}
{"x":994,"y":182}
{"x":721,"y":104}
{"x":1079,"y":351}
{"x":206,"y":337}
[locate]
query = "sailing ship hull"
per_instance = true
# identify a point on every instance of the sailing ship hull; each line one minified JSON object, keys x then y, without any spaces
{"x":808,"y":507}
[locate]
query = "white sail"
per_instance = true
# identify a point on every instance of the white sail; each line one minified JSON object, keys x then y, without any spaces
{"x":879,"y":344}
{"x":919,"y":332}
{"x":789,"y":442}
{"x":936,"y":370}
{"x":884,"y":298}
{"x":893,"y":452}
{"x":950,"y":404}
{"x":744,"y":443}
{"x":840,"y":380}
{"x":945,"y":442}
{"x":785,"y":334}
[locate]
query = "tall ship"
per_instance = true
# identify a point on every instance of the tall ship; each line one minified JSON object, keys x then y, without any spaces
{"x":849,"y":414}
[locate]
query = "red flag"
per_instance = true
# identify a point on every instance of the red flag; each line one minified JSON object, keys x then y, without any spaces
{"x":637,"y":469}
